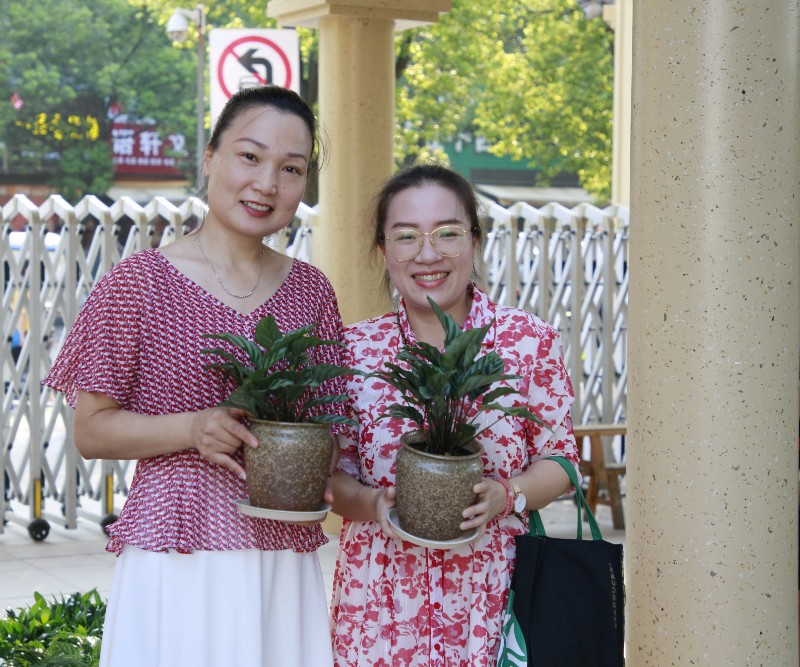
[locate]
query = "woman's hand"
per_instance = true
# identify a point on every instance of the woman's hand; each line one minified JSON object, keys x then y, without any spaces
{"x":490,"y":502}
{"x":384,"y":501}
{"x":217,"y":433}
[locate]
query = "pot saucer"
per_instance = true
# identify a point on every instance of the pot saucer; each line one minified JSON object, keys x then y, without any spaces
{"x":244,"y":506}
{"x":467,"y":538}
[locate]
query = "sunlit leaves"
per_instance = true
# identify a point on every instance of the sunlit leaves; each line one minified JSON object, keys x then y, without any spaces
{"x":533,"y":77}
{"x":68,"y":59}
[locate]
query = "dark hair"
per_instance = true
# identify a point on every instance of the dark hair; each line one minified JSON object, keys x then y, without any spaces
{"x":277,"y":97}
{"x":416,"y":176}
{"x":425,"y":174}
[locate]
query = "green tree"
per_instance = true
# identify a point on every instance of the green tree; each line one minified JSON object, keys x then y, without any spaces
{"x":533,"y":77}
{"x":69,"y":61}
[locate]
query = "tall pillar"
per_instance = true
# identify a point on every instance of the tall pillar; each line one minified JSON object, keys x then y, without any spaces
{"x":356,"y":108}
{"x":620,"y":17}
{"x":714,"y":309}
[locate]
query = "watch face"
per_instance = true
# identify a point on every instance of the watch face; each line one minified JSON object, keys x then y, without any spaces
{"x":519,"y":503}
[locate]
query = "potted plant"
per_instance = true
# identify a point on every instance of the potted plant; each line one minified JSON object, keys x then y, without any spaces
{"x":290,"y":467}
{"x":439,"y":462}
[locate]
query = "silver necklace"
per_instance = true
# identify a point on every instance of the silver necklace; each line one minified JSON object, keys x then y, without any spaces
{"x":219,"y":280}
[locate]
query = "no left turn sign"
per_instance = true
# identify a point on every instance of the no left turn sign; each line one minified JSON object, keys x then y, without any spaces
{"x":245,"y":58}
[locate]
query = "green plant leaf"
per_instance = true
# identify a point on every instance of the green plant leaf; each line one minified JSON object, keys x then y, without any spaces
{"x":332,"y":419}
{"x":451,"y":329}
{"x":439,"y":388}
{"x":466,"y":432}
{"x":281,"y":379}
{"x":463,"y":349}
{"x":327,"y":400}
{"x":498,"y":392}
{"x":252,"y":350}
{"x":421,"y":350}
{"x":320,"y":401}
{"x":267,"y":332}
{"x":405,"y":412}
{"x":517,"y":411}
{"x":242,"y":399}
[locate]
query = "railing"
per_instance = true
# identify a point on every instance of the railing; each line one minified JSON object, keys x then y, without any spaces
{"x":569,"y":266}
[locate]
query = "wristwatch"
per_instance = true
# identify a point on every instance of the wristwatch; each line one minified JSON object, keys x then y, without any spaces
{"x":520,"y":501}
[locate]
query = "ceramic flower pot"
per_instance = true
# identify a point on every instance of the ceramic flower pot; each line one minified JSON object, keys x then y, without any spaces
{"x":290,"y":467}
{"x":433,"y":490}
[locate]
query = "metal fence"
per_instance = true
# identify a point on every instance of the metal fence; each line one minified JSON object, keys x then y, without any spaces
{"x":569,"y":266}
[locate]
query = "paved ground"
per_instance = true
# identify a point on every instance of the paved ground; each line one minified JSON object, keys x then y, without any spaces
{"x":71,"y":561}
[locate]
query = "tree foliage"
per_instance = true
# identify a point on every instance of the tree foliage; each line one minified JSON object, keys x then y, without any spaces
{"x":68,"y":62}
{"x":533,"y":77}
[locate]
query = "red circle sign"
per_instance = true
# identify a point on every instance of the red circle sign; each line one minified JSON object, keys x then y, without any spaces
{"x":271,"y":47}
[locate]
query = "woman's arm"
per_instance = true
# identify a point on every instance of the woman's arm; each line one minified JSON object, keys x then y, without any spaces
{"x":104,"y":430}
{"x":354,"y":500}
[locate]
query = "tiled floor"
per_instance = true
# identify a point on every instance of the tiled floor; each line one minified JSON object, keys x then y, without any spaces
{"x":70,"y":561}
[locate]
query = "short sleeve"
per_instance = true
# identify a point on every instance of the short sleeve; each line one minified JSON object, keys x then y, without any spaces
{"x":550,"y":396}
{"x":101,"y":351}
{"x":348,"y":457}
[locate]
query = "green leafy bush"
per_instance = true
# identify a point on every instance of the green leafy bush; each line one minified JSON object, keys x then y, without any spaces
{"x":59,"y":633}
{"x":276,"y":383}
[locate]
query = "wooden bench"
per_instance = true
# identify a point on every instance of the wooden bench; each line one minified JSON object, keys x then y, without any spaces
{"x":603,"y":475}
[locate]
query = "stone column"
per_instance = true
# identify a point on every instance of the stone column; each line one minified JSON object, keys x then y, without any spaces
{"x":620,"y":17}
{"x":714,"y":334}
{"x":356,"y":108}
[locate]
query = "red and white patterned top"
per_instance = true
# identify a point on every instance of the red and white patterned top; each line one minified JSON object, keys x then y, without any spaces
{"x":138,"y":340}
{"x":395,"y":603}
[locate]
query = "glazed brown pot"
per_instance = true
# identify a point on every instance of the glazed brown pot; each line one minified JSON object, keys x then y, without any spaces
{"x":433,"y":490}
{"x":290,"y":467}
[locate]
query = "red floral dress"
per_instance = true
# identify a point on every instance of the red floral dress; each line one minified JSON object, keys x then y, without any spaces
{"x":398,"y":604}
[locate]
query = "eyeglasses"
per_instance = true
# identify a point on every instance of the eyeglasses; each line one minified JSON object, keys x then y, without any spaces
{"x":447,"y":240}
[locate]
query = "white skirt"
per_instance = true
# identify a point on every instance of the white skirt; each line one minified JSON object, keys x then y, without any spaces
{"x":246,"y":608}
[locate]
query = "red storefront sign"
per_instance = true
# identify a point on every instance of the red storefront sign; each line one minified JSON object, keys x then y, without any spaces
{"x":140,"y":149}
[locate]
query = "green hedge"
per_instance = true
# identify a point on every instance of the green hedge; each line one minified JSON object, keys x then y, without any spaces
{"x":59,"y":633}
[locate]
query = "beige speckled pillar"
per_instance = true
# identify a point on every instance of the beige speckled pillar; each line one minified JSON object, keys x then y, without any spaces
{"x":356,"y":106}
{"x":714,"y":334}
{"x":619,"y":16}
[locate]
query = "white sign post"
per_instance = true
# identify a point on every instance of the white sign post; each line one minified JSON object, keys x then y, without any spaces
{"x":244,"y":58}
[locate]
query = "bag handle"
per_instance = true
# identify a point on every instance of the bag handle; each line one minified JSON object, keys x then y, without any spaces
{"x":536,"y":525}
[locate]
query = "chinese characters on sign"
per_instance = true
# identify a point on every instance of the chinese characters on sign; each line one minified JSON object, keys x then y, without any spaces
{"x":140,"y":149}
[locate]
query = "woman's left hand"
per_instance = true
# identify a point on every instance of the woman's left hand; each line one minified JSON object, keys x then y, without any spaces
{"x":491,"y":501}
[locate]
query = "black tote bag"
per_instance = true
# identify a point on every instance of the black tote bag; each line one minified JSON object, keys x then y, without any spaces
{"x":567,"y":602}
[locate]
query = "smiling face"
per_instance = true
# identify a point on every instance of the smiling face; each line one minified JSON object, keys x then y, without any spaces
{"x":425,"y":208}
{"x":257,"y":173}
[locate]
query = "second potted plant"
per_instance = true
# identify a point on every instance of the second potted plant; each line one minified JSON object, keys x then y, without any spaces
{"x":290,"y":467}
{"x":440,"y":462}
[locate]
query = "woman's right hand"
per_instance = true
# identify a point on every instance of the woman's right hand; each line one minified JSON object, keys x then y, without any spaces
{"x":217,"y":433}
{"x":384,"y":501}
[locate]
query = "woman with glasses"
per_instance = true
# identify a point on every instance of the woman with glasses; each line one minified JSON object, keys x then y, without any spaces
{"x":395,"y":602}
